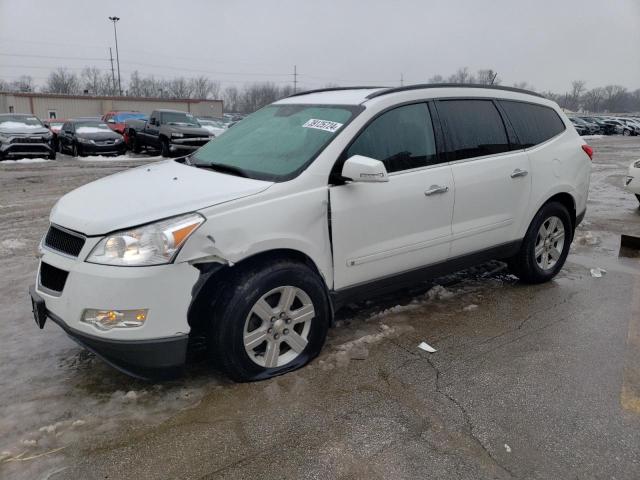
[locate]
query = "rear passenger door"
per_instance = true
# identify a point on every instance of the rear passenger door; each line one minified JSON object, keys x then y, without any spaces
{"x":492,"y":182}
{"x":383,"y":229}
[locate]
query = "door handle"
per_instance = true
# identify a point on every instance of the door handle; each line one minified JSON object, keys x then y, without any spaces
{"x":433,"y":189}
{"x":519,"y":173}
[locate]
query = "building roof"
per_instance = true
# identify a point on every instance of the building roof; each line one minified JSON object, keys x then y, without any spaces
{"x":109,"y":97}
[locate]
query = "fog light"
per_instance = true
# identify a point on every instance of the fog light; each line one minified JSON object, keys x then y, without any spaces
{"x":108,"y":319}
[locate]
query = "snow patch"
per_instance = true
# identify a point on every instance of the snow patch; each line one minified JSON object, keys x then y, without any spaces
{"x":12,"y":244}
{"x":19,"y":126}
{"x":29,"y":160}
{"x":119,"y":158}
{"x":439,"y":293}
{"x":93,"y":130}
{"x":592,"y":137}
{"x":471,"y":307}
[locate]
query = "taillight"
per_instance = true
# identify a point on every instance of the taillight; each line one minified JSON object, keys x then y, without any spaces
{"x":588,"y":150}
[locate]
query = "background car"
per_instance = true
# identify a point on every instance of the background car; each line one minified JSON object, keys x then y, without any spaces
{"x":83,"y":137}
{"x":54,"y":125}
{"x":117,"y":120}
{"x":216,"y":127}
{"x":632,"y":182}
{"x":588,"y":128}
{"x":604,"y":128}
{"x":24,"y":135}
{"x":580,"y":127}
{"x":632,"y":124}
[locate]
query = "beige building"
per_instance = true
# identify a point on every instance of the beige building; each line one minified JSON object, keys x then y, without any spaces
{"x":50,"y":105}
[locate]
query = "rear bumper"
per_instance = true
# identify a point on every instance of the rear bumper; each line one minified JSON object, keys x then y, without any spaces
{"x":147,"y":359}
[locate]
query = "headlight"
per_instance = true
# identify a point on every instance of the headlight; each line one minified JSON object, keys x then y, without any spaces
{"x":154,"y":244}
{"x":4,"y":138}
{"x":48,"y":136}
{"x":118,"y":140}
{"x":636,"y":164}
{"x":84,"y":140}
{"x":177,"y":135}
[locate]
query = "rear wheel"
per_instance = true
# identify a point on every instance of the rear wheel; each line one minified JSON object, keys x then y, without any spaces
{"x":75,"y":150}
{"x":268,"y":321}
{"x":545,"y":246}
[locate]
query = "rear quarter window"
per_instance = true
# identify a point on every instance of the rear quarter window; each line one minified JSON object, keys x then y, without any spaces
{"x":532,"y":123}
{"x":473,"y":128}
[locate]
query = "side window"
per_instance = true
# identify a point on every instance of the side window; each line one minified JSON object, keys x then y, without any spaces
{"x":533,"y":124}
{"x":401,"y":138}
{"x":473,"y":128}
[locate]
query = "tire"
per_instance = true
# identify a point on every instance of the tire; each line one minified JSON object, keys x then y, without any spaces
{"x":75,"y":151}
{"x":529,"y":267}
{"x":264,"y":289}
{"x":60,"y":147}
{"x":164,"y":148}
{"x":626,"y":133}
{"x":52,"y":155}
{"x":134,"y":144}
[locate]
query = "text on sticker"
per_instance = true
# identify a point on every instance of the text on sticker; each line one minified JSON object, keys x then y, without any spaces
{"x":325,"y":125}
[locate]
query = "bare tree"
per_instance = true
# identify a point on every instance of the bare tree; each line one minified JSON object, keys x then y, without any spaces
{"x":203,"y":87}
{"x":592,"y":100}
{"x":231,"y":98}
{"x":179,"y":88}
{"x":462,"y":76}
{"x":62,"y":81}
{"x":613,"y":98}
{"x":436,"y":79}
{"x":524,"y":86}
{"x":96,"y":82}
{"x":488,"y":77}
{"x":23,"y":84}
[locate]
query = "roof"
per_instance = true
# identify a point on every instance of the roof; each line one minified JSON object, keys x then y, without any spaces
{"x":359,"y":95}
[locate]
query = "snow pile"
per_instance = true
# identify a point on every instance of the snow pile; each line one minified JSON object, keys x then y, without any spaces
{"x":19,"y":126}
{"x":439,"y":293}
{"x":11,"y":244}
{"x":587,"y":238}
{"x":28,"y":160}
{"x":592,"y":137}
{"x":119,"y":158}
{"x":93,"y":129}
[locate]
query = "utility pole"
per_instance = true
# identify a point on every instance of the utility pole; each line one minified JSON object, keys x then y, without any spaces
{"x":115,"y":33}
{"x":401,"y":80}
{"x":295,"y":78}
{"x":113,"y":74}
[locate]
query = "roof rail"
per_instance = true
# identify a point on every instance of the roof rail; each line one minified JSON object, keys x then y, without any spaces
{"x":449,"y":85}
{"x":332,"y":89}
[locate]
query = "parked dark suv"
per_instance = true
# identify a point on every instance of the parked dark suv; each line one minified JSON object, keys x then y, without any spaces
{"x":24,"y":136}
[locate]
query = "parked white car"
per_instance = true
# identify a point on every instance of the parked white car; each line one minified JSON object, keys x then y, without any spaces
{"x":632,"y":182}
{"x":251,"y":243}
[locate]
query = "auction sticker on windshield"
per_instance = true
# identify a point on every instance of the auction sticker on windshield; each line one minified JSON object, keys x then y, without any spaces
{"x":325,"y":125}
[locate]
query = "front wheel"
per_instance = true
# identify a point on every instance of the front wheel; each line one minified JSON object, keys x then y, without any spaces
{"x":545,"y":246}
{"x":75,"y":150}
{"x":164,"y":148}
{"x":269,"y":321}
{"x":626,"y":133}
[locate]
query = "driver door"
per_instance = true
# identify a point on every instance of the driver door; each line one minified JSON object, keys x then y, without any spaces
{"x":383,"y":229}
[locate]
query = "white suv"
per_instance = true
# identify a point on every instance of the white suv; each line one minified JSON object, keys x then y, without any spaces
{"x":250,"y":244}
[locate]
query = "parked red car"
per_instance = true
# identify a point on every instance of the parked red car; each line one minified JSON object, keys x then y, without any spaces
{"x":54,"y":124}
{"x":116,"y":120}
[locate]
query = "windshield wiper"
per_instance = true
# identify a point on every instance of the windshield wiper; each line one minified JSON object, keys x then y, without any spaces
{"x":219,"y":167}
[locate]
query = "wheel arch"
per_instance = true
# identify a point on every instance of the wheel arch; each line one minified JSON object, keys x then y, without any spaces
{"x":213,"y":277}
{"x":568,"y":201}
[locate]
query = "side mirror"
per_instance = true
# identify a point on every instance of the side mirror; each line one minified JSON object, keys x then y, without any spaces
{"x":364,"y":169}
{"x":152,"y":121}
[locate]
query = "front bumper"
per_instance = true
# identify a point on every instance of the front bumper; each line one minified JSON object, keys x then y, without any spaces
{"x":20,"y":150}
{"x":146,"y":359}
{"x":153,"y":349}
{"x":187,"y":144}
{"x":114,"y":149}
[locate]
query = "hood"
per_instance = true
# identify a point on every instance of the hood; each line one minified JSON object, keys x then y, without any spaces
{"x":148,"y":193}
{"x":29,"y":130}
{"x":189,"y":130}
{"x":101,"y":135}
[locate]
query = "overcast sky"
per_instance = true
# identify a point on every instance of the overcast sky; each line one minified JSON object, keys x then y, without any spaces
{"x":544,"y":42}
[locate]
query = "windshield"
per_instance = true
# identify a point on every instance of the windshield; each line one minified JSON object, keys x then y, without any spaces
{"x":276,"y":142}
{"x":179,"y":118}
{"x":19,"y":121}
{"x":123,"y":117}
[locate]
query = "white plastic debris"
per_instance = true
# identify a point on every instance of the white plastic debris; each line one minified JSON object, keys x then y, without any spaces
{"x":426,"y":347}
{"x":507,"y":448}
{"x":78,"y":423}
{"x":598,"y":272}
{"x":29,"y":442}
{"x":468,"y":308}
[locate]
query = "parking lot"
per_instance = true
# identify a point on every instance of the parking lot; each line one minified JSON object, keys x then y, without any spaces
{"x":527,"y":381}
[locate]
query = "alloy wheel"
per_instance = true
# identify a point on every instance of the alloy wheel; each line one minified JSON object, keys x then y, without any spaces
{"x":549,"y":243}
{"x":276,"y":330}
